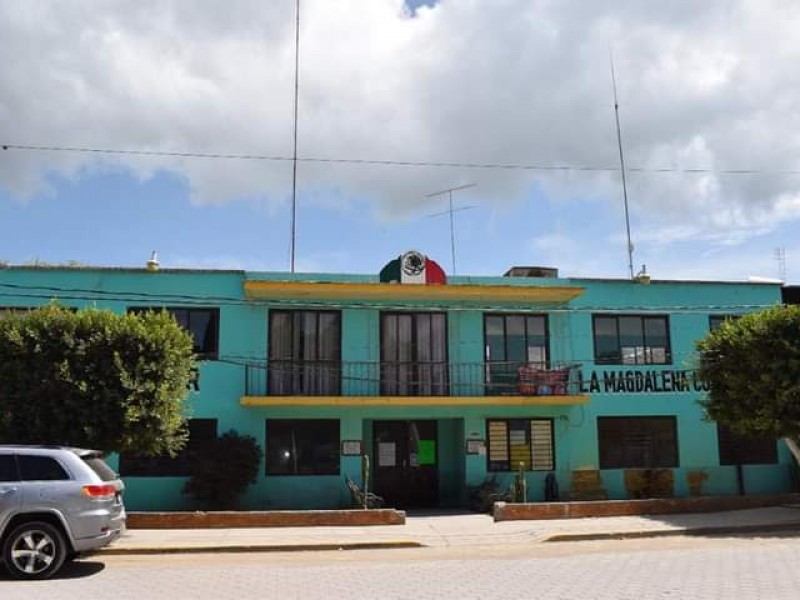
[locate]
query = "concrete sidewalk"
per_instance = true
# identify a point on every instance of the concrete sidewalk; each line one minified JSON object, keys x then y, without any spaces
{"x":453,"y":530}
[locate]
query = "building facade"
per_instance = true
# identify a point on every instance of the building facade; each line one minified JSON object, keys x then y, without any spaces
{"x":440,"y":382}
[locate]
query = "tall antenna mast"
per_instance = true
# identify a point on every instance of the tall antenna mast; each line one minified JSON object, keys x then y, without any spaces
{"x":294,"y":153}
{"x":621,"y":164}
{"x":780,"y":256}
{"x":451,"y":210}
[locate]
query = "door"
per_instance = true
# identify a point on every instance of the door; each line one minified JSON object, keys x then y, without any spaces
{"x":10,"y":493}
{"x":406,"y":465}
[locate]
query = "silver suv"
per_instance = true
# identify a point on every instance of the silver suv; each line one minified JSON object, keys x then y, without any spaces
{"x":55,"y":503}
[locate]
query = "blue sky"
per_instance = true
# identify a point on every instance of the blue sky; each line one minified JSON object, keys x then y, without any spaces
{"x":452,"y":84}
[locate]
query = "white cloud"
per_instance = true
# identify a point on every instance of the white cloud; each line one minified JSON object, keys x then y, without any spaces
{"x":701,"y":85}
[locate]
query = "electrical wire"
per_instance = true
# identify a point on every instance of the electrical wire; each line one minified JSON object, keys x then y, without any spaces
{"x":54,"y":293}
{"x":395,"y":162}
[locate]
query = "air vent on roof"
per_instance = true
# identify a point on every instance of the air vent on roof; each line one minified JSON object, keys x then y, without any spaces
{"x":550,"y":272}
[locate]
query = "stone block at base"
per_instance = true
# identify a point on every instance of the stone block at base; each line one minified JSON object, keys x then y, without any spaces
{"x":504,"y":511}
{"x":276,"y":518}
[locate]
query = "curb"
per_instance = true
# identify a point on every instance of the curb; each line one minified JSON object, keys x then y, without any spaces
{"x":241,"y":548}
{"x":792,"y":526}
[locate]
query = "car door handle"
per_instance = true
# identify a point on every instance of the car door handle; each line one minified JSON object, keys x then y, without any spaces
{"x":7,"y":491}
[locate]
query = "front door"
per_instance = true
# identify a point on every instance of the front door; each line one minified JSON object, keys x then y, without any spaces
{"x":405,"y":459}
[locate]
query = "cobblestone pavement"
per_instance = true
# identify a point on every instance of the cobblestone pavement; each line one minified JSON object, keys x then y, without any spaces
{"x":679,"y":568}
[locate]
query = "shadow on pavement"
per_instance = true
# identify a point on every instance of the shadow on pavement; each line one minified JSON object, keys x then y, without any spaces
{"x":78,"y":569}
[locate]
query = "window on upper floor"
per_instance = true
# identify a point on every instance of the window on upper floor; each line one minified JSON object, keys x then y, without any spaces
{"x":305,"y":352}
{"x":716,"y":321}
{"x":631,"y":340}
{"x":520,"y":442}
{"x":637,"y":442}
{"x":302,"y":446}
{"x":414,"y":354}
{"x":202,"y":323}
{"x":511,"y":341}
{"x":739,"y":450}
{"x":201,"y":433}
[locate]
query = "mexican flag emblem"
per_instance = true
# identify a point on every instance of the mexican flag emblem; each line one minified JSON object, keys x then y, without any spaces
{"x":413,"y":267}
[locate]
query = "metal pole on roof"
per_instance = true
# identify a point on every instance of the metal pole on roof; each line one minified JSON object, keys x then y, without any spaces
{"x":451,"y":210}
{"x":621,"y":164}
{"x":294,"y":154}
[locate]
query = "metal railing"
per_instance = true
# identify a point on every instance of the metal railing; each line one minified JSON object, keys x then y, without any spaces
{"x":329,"y":378}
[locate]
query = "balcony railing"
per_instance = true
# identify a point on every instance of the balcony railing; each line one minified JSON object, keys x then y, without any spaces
{"x":327,"y":378}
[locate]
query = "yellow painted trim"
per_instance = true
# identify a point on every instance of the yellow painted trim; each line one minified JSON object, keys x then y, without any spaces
{"x":305,"y":401}
{"x":304,"y":290}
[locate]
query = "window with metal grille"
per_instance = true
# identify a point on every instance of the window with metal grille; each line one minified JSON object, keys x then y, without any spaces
{"x":739,"y":450}
{"x":631,"y":340}
{"x":515,"y":443}
{"x":512,"y":341}
{"x":201,"y":432}
{"x":414,"y":354}
{"x":305,"y":352}
{"x":637,"y":442}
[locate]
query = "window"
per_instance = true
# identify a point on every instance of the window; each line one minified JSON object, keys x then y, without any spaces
{"x":40,"y":468}
{"x":202,"y":323}
{"x":631,"y":340}
{"x":525,"y":441}
{"x":716,"y":321}
{"x":738,"y":450}
{"x":201,"y":432}
{"x":8,"y":468}
{"x":510,"y":341}
{"x":637,"y":442}
{"x":414,"y":354}
{"x":305,"y":352}
{"x":302,"y":446}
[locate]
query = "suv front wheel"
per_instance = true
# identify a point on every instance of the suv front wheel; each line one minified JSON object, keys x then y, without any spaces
{"x":34,"y":550}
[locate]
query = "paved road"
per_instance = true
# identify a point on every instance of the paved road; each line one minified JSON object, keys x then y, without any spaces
{"x":675,"y":568}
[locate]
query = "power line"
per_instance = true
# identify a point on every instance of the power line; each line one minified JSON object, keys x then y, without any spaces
{"x":46,"y":293}
{"x":395,"y":162}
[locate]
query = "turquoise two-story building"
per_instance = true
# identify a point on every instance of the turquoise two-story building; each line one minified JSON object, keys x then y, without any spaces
{"x":441,"y":382}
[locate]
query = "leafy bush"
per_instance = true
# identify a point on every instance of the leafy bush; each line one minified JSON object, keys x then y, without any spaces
{"x":751,"y":366}
{"x":222,"y":470}
{"x":93,"y":378}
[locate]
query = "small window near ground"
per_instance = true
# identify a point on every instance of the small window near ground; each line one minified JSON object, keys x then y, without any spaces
{"x":520,"y":443}
{"x":40,"y":468}
{"x":201,"y":432}
{"x":637,"y":442}
{"x":302,"y":446}
{"x":739,"y":450}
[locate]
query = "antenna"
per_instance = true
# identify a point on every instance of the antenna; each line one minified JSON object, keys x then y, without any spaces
{"x":449,"y":193}
{"x":621,"y":163}
{"x":294,"y":154}
{"x":780,"y":256}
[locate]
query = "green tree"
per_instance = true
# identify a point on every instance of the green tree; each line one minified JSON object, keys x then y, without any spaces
{"x":752,"y":367}
{"x":94,"y":379}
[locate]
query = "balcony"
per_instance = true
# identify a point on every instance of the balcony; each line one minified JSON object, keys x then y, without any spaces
{"x":308,"y":383}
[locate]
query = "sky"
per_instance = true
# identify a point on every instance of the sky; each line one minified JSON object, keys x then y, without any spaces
{"x":511,"y":97}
